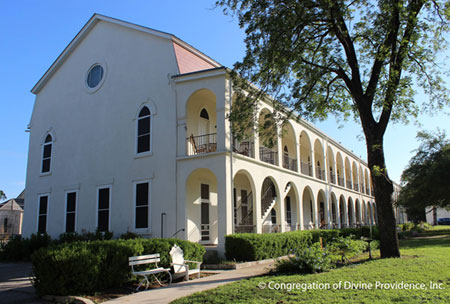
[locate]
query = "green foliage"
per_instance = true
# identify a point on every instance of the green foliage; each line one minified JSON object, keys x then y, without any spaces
{"x":129,"y":236}
{"x":347,"y":247}
{"x":252,"y":247}
{"x":425,"y":180}
{"x":2,"y":195}
{"x":19,"y":249}
{"x":313,"y":259}
{"x":84,"y":267}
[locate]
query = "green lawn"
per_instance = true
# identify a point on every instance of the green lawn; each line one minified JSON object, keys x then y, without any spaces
{"x":424,"y":261}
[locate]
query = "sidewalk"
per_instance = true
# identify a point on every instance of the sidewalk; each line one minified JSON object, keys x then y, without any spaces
{"x":177,"y":290}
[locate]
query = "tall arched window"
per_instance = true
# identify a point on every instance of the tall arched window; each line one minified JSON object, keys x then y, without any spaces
{"x":47,"y":154}
{"x":144,"y":131}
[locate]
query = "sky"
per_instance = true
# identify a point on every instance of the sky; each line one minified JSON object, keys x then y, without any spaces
{"x":33,"y":33}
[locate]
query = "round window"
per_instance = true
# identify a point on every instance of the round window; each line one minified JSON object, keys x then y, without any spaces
{"x":94,"y":76}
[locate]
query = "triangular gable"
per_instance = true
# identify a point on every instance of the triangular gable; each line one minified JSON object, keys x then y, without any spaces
{"x":188,"y":55}
{"x":10,"y":205}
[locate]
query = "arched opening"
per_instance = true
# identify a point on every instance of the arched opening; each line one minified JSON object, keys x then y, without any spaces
{"x":350,"y":214}
{"x":334,"y":211}
{"x":289,"y":148}
{"x":355,"y":177}
{"x":348,"y":174}
{"x":358,"y":212}
{"x":308,"y":209}
{"x":290,"y":207}
{"x":361,"y":180}
{"x":365,"y":218}
{"x":47,"y":154}
{"x":331,"y":166}
{"x":342,"y":212}
{"x":268,"y":138}
{"x":322,"y":210}
{"x":201,"y":125}
{"x":144,"y":131}
{"x":319,"y":160}
{"x":243,"y":206}
{"x":269,"y":198}
{"x":366,"y":181}
{"x":305,"y":154}
{"x":201,"y":207}
{"x":340,"y":170}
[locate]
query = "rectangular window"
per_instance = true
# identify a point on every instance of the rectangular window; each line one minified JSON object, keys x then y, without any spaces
{"x":42,"y":217}
{"x":46,"y":157}
{"x":104,"y":201}
{"x":71,"y":202}
{"x":142,"y":205}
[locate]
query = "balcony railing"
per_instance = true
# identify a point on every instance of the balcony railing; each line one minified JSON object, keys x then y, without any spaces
{"x":201,"y":144}
{"x":289,"y":163}
{"x":332,"y":178}
{"x":356,"y":187}
{"x":320,"y":173}
{"x":367,"y":190}
{"x":349,"y":184}
{"x":341,"y":181}
{"x":269,"y":156}
{"x":246,"y":148}
{"x":306,"y":168}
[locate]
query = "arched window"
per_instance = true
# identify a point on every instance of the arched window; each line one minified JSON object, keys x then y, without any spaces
{"x":204,"y":122}
{"x":144,"y":131}
{"x":47,"y":154}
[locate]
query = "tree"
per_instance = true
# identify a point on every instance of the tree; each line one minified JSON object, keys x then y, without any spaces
{"x":426,"y":179}
{"x":2,"y":195}
{"x":360,"y":58}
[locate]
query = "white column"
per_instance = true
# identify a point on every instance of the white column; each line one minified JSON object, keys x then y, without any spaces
{"x":257,"y":208}
{"x":300,"y":211}
{"x":225,"y":205}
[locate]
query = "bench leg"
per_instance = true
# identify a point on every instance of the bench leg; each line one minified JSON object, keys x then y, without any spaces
{"x":142,"y":282}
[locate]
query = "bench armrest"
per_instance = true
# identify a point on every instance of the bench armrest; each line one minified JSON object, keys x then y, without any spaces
{"x":197,"y":262}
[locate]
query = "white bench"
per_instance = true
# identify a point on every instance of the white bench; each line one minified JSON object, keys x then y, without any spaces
{"x":151,"y":259}
{"x":180,"y":268}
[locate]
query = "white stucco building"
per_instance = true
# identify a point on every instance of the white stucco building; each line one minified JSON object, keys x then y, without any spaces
{"x":129,"y":133}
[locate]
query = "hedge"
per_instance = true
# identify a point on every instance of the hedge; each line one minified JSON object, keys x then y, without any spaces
{"x":84,"y":267}
{"x":253,"y":247}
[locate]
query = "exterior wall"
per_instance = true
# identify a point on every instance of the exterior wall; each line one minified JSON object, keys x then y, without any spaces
{"x":440,"y":213}
{"x":14,"y":220}
{"x":94,"y":133}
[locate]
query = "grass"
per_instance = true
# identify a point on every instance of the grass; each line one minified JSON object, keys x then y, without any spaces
{"x":423,"y":261}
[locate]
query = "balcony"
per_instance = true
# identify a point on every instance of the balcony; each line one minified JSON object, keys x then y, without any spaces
{"x":289,"y":163}
{"x":246,"y":148}
{"x":320,"y":173}
{"x":306,"y":168}
{"x":356,"y":187}
{"x":269,"y":156}
{"x":341,"y":181}
{"x":201,"y":144}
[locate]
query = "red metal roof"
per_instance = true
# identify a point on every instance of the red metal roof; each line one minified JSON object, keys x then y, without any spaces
{"x":189,"y":62}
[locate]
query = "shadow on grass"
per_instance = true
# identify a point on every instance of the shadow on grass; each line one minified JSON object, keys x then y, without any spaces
{"x":419,"y":243}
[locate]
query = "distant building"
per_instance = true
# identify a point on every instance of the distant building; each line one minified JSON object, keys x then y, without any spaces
{"x":400,"y":213}
{"x":434,"y":214}
{"x":11,"y":216}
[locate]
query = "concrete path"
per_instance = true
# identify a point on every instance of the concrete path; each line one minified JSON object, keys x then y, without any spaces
{"x":178,"y":290}
{"x":15,"y":284}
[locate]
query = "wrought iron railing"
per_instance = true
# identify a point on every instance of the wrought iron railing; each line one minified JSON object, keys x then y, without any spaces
{"x":320,"y":173}
{"x":246,"y":148}
{"x":341,"y":181}
{"x":356,"y":187}
{"x":349,"y":184}
{"x":306,"y":168}
{"x":268,"y":155}
{"x":367,"y":190}
{"x":289,"y":163}
{"x":201,"y":144}
{"x":332,"y":178}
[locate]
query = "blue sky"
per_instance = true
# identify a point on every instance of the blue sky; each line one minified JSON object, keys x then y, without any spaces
{"x":33,"y":33}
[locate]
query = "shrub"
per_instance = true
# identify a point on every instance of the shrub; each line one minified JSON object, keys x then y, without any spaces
{"x":406,"y":226}
{"x":129,"y":236}
{"x":347,"y":247}
{"x":252,"y":247}
{"x":309,"y":260}
{"x":83,"y":267}
{"x":19,"y":249}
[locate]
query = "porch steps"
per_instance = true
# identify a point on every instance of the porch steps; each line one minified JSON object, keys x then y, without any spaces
{"x":268,"y":209}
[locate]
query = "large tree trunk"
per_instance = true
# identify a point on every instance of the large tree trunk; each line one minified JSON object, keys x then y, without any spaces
{"x":383,"y":189}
